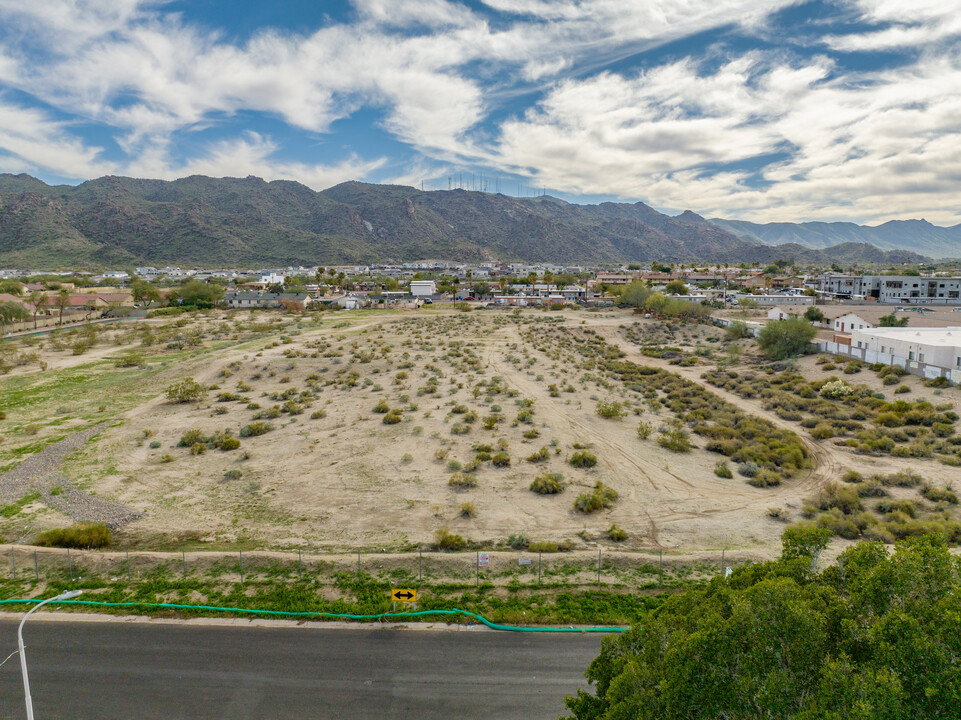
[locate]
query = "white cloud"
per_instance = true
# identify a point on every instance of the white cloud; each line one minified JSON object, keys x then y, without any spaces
{"x":914,"y":24}
{"x":875,"y":147}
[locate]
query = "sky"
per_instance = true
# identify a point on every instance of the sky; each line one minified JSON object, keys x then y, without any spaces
{"x":761,"y":110}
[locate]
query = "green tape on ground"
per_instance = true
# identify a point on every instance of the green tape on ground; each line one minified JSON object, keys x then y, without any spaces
{"x":335,"y":616}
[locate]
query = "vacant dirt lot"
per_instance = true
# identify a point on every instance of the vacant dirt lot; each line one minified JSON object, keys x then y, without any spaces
{"x":346,"y":430}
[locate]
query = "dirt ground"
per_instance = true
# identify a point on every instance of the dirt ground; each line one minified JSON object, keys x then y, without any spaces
{"x":331,"y":475}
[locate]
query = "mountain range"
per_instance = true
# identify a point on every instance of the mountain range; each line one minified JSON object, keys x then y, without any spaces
{"x":247,"y":222}
{"x":919,"y":236}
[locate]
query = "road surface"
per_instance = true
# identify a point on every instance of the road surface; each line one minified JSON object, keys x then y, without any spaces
{"x":122,"y":670}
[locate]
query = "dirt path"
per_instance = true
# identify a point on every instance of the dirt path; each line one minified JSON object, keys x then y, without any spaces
{"x":41,"y":473}
{"x":828,"y":462}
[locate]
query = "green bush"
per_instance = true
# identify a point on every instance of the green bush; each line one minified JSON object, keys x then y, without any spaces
{"x":392,"y":418}
{"x":446,"y":540}
{"x":186,"y":391}
{"x":381,"y":407}
{"x":462,"y":481}
{"x":644,"y":429}
{"x":501,"y":460}
{"x":82,"y":536}
{"x":548,"y":484}
{"x":748,"y":469}
{"x":722,"y":470}
{"x":617,"y":534}
{"x":542,"y":455}
{"x":600,"y":497}
{"x":547,"y":546}
{"x":582,"y":459}
{"x":255,"y":428}
{"x":612,"y":410}
{"x":229,"y":443}
{"x":676,"y":440}
{"x":233,"y":475}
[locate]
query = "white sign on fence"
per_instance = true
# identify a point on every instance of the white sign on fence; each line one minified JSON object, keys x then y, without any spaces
{"x":483,"y":560}
{"x":524,"y":561}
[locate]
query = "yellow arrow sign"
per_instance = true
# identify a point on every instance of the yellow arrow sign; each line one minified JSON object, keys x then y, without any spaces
{"x":401,"y":595}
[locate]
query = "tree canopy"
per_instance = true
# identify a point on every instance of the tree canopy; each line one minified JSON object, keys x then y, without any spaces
{"x":892,"y":320}
{"x":874,"y":637}
{"x":786,"y":338}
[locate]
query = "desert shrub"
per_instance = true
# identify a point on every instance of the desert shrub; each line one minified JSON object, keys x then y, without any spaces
{"x":611,"y":409}
{"x":381,"y":407}
{"x":168,"y":458}
{"x":233,"y":474}
{"x":446,"y":540}
{"x":776,"y":513}
{"x":229,"y":443}
{"x":198,"y":448}
{"x":518,"y":541}
{"x":644,"y":429}
{"x":939,"y":494}
{"x":186,"y":391}
{"x":454,"y":466}
{"x":462,"y":481}
{"x":748,"y":469}
{"x":501,"y":459}
{"x":600,"y":497}
{"x":836,"y":389}
{"x":903,"y":478}
{"x":128,"y":360}
{"x":318,"y":414}
{"x":467,"y":510}
{"x":542,"y":455}
{"x":255,"y":428}
{"x":904,"y":506}
{"x":765,"y":478}
{"x":838,"y":496}
{"x":617,"y":534}
{"x":192,"y":437}
{"x":154,"y":444}
{"x":548,"y":484}
{"x":548,"y":546}
{"x":392,"y":418}
{"x":736,"y":330}
{"x":82,"y":536}
{"x":676,"y":440}
{"x":722,"y":470}
{"x":582,"y":459}
{"x":852,"y":476}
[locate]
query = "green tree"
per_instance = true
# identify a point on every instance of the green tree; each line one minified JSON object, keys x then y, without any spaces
{"x":481,"y":289}
{"x":875,"y":636}
{"x":785,"y":339}
{"x":676,"y":287}
{"x":11,"y":312}
{"x":892,"y":320}
{"x":38,"y":299}
{"x":736,"y":330}
{"x":634,"y":294}
{"x":197,"y":294}
{"x":61,"y":301}
{"x":144,"y":293}
{"x":813,"y":314}
{"x":186,"y":391}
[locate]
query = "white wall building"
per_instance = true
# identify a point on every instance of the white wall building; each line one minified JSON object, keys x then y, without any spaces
{"x":423,"y":288}
{"x":272,"y":278}
{"x":912,"y":347}
{"x":849,"y":322}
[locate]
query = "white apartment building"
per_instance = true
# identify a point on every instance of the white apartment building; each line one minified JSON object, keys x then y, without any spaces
{"x":893,"y":288}
{"x":423,"y":288}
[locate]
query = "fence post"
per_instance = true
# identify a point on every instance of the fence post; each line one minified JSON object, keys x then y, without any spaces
{"x":183,"y":556}
{"x":129,"y":577}
{"x":660,"y":568}
{"x":300,"y":566}
{"x":358,"y":567}
{"x":477,"y":570}
{"x":13,"y":562}
{"x":36,"y":566}
{"x":420,"y":566}
{"x":539,"y":553}
{"x":598,"y":567}
{"x":241,"y":566}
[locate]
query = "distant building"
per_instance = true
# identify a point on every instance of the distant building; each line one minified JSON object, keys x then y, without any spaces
{"x":850,"y":321}
{"x":423,"y":288}
{"x":244,"y":300}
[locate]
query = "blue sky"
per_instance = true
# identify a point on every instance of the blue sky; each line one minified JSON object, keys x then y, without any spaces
{"x":762,"y":110}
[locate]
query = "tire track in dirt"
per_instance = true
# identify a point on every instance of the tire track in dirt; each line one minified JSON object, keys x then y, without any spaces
{"x":827,"y":462}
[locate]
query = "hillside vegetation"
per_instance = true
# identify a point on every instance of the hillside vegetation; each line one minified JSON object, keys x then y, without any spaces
{"x":116,"y":221}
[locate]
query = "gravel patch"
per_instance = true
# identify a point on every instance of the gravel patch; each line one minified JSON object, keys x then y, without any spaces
{"x":40,"y":473}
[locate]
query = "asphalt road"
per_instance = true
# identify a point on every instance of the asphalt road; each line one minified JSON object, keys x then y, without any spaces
{"x":120,"y":671}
